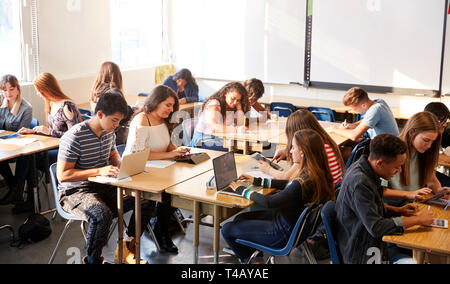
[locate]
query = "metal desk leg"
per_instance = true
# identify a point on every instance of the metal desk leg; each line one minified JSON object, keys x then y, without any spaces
{"x":120,"y":222}
{"x":217,"y":217}
{"x":137,"y":212}
{"x":419,"y":256}
{"x":35,"y":184}
{"x":196,"y":230}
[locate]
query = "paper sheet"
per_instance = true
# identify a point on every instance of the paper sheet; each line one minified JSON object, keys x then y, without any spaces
{"x":159,"y":164}
{"x":18,"y":141}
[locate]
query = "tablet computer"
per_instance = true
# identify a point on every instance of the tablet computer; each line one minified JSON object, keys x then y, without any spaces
{"x":259,"y":157}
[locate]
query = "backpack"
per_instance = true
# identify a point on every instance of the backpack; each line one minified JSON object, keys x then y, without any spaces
{"x":35,"y":229}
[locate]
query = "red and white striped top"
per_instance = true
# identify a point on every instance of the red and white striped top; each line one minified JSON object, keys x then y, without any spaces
{"x":336,"y":171}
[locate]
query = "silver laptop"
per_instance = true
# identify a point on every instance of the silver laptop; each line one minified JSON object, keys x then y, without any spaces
{"x":133,"y":164}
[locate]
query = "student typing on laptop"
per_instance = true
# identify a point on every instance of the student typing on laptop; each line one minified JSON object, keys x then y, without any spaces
{"x":313,"y":184}
{"x":88,"y":150}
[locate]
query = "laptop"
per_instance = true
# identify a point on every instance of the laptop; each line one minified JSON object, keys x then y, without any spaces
{"x":133,"y":164}
{"x":225,"y":173}
{"x":193,"y":158}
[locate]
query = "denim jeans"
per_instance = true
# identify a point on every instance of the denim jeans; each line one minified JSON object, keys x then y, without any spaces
{"x":263,"y":227}
{"x":399,"y":255}
{"x":206,"y":141}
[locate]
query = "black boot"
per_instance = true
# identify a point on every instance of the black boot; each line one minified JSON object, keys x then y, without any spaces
{"x":163,"y":238}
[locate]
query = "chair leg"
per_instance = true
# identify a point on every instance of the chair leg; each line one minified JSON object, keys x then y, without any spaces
{"x":308,"y":253}
{"x":253,"y":256}
{"x":59,"y":241}
{"x":180,"y":222}
{"x":271,"y":260}
{"x":112,"y":228}
{"x":150,"y":230}
{"x":83,"y":230}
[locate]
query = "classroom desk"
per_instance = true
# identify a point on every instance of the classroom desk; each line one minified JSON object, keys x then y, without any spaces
{"x":258,"y":133}
{"x":152,"y":185}
{"x":337,"y":106}
{"x":192,"y":195}
{"x":139,"y":101}
{"x":43,"y":143}
{"x":421,"y":239}
{"x":338,"y":139}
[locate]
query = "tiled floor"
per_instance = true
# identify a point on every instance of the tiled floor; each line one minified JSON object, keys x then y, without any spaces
{"x":72,"y":248}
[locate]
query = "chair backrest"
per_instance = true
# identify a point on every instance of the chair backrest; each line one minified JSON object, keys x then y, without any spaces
{"x":363,"y":148}
{"x":328,"y":218}
{"x":34,"y":123}
{"x":55,"y":184}
{"x":188,"y":126}
{"x":297,"y":231}
{"x":85,"y":117}
{"x":143,"y":94}
{"x":310,"y":224}
{"x":322,"y":113}
{"x":121,"y":148}
{"x":283,"y":109}
{"x":85,"y":111}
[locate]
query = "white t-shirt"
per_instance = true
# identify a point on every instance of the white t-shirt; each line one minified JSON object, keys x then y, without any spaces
{"x":156,"y":138}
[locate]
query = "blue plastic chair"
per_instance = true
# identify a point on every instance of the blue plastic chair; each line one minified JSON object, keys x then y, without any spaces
{"x":85,"y":117}
{"x":322,"y":113}
{"x":298,"y":236}
{"x":143,"y":94}
{"x":121,"y":148}
{"x":328,"y":215}
{"x":34,"y":123}
{"x":85,"y":111}
{"x":283,"y":109}
{"x":188,"y":126}
{"x":363,"y":148}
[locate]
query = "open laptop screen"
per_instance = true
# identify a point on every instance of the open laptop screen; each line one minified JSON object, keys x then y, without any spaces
{"x":224,"y":170}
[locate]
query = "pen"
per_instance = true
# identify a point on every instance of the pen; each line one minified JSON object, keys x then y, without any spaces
{"x":446,"y":206}
{"x":209,"y":182}
{"x":255,"y":167}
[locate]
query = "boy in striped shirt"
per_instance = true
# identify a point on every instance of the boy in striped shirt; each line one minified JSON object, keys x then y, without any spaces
{"x":87,"y":150}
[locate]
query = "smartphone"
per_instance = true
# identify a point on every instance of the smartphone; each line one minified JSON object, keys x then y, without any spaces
{"x":259,"y":157}
{"x":440,"y":223}
{"x":10,"y":136}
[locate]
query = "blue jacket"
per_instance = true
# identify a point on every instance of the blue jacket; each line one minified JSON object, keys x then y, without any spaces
{"x":190,"y":91}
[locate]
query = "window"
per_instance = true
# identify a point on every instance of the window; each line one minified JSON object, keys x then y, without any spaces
{"x":136,"y":32}
{"x":10,"y":38}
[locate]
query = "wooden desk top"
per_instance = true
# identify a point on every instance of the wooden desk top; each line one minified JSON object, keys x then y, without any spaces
{"x":195,"y":188}
{"x":137,"y":100}
{"x":157,"y":180}
{"x":338,"y":106}
{"x":43,"y":143}
{"x":338,"y":139}
{"x":425,"y":238}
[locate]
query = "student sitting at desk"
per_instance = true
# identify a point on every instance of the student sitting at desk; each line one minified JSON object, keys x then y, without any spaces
{"x":378,"y":117}
{"x":443,"y":114}
{"x":110,"y":77}
{"x":418,"y":176}
{"x":313,"y":185}
{"x":362,"y":219}
{"x":184,"y":85}
{"x":152,"y":129}
{"x":15,"y":113}
{"x":299,"y":120}
{"x":89,"y":150}
{"x":255,"y":90}
{"x":223,"y":112}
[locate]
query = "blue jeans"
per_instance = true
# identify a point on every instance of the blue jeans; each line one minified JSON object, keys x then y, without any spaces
{"x":399,"y":255}
{"x":263,"y":227}
{"x":206,"y":141}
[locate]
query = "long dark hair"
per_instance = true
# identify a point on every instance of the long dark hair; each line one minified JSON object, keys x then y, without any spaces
{"x":220,"y":96}
{"x":159,"y":94}
{"x":315,"y":170}
{"x":187,"y":76}
{"x":109,"y":75}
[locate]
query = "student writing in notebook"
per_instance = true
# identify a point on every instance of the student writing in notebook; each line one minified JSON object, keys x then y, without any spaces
{"x":88,"y":150}
{"x":15,"y":113}
{"x":314,"y":184}
{"x":184,"y":85}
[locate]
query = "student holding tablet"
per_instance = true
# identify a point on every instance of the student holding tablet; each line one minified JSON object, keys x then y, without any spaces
{"x":299,"y":120}
{"x":313,"y":185}
{"x":15,"y":113}
{"x":152,"y":129}
{"x":224,"y":111}
{"x":422,"y":136}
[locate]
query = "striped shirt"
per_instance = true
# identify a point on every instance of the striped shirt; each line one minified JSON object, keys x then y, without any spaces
{"x":335,"y":168}
{"x":81,"y":146}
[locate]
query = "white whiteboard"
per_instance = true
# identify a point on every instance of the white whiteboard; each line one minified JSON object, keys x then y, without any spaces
{"x":239,"y":39}
{"x":393,"y":43}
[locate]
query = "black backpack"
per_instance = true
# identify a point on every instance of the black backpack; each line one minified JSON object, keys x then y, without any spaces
{"x":35,"y":229}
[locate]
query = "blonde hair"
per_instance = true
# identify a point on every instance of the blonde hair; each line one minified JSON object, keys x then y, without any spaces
{"x":418,"y":123}
{"x":355,"y":96}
